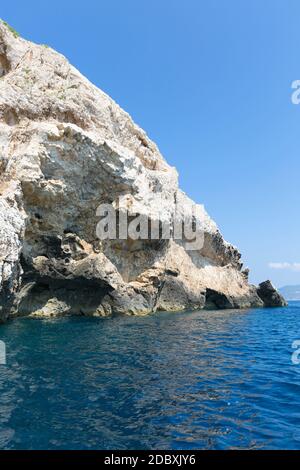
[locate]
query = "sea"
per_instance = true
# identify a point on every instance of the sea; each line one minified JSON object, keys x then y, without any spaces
{"x":180,"y":381}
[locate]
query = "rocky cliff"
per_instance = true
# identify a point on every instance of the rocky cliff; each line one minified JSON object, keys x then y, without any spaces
{"x":65,"y":148}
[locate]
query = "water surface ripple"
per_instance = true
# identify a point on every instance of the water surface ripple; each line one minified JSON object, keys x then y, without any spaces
{"x":201,"y":380}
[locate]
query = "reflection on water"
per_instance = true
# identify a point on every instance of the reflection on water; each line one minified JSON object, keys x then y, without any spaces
{"x":213,"y":380}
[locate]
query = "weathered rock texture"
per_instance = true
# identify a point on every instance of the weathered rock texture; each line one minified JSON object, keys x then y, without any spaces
{"x":66,"y":147}
{"x":269,"y":295}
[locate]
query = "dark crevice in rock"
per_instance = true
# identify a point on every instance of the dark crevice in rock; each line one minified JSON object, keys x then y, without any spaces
{"x":70,"y":295}
{"x":4,"y":65}
{"x":10,"y":117}
{"x":217,"y":300}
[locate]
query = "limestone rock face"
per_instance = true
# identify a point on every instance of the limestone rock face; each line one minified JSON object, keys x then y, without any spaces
{"x":65,"y":148}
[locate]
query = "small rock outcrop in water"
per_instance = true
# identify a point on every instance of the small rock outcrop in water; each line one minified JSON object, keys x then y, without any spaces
{"x":66,"y":147}
{"x":270,"y":296}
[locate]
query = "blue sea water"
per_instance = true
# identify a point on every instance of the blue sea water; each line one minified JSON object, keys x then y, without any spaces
{"x":201,"y":380}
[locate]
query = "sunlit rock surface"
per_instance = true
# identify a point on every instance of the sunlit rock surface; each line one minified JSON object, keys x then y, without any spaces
{"x":65,"y":148}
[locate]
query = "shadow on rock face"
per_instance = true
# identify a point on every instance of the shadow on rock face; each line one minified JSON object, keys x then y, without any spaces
{"x":4,"y":65}
{"x":270,"y":296}
{"x":217,"y":300}
{"x":60,"y":297}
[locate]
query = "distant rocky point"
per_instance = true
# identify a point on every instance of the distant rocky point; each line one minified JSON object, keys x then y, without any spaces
{"x":65,"y":148}
{"x":291,"y":292}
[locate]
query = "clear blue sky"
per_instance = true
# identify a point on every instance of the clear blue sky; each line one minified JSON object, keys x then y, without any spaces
{"x":210,"y":81}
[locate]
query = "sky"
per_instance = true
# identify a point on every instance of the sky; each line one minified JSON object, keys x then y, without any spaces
{"x":210,"y":82}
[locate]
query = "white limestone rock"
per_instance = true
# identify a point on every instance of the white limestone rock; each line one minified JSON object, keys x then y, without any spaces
{"x":66,"y":147}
